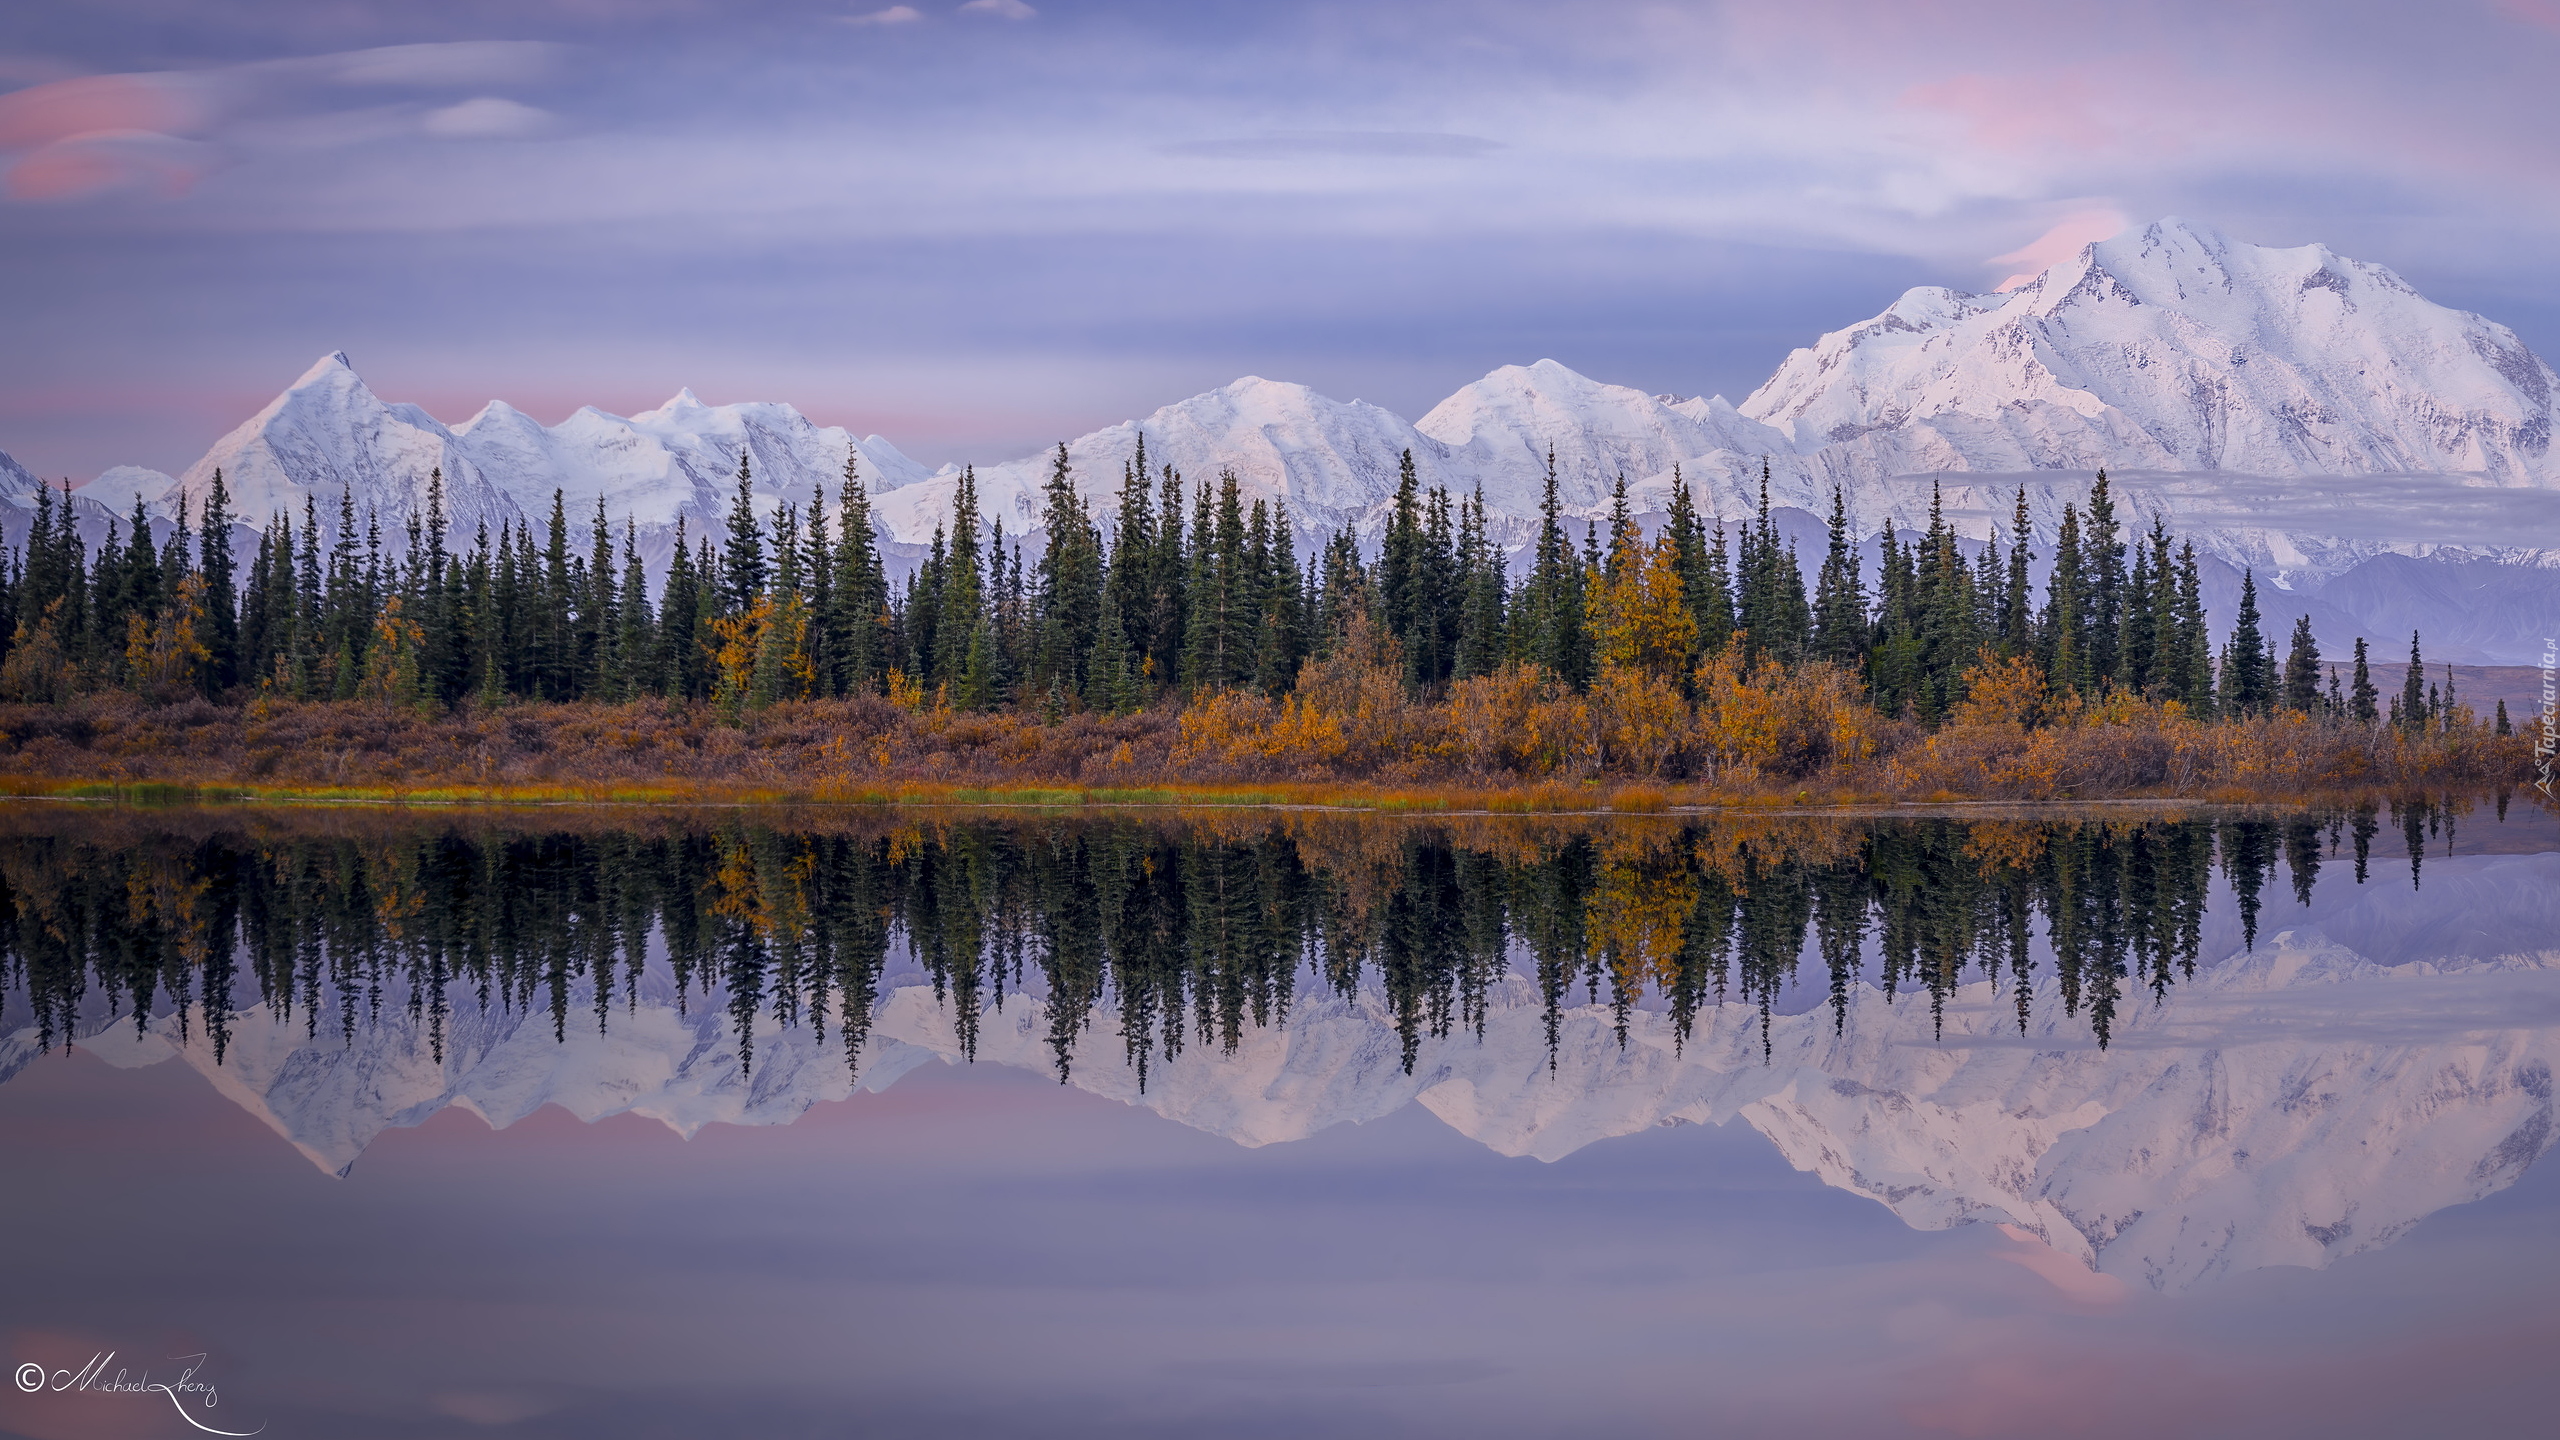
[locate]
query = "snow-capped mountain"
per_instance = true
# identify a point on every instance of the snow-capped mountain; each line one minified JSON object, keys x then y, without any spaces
{"x":2389,"y":1055}
{"x":2174,"y":348}
{"x":1336,"y":463}
{"x":2292,"y":411}
{"x":328,"y":434}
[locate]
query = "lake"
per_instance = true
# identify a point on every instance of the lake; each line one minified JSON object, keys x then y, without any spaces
{"x":567,"y":1122}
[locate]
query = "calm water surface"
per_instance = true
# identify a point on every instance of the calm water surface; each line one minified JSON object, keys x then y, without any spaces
{"x":570,"y":1123}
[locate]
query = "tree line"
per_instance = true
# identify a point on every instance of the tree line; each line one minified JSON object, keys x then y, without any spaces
{"x":1188,"y":590}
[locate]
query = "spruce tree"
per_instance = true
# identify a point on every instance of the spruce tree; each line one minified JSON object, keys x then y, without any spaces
{"x":1552,"y":621}
{"x":742,"y":558}
{"x":1168,"y":576}
{"x":2102,"y":592}
{"x":2363,"y":700}
{"x":2248,"y":681}
{"x":2413,"y":715}
{"x":2194,"y":674}
{"x":1714,"y":607}
{"x":963,"y":656}
{"x":1481,"y":638}
{"x":1131,"y":574}
{"x":2302,"y":670}
{"x":1839,"y":596}
{"x":1946,"y":615}
{"x":2017,"y":604}
{"x":221,"y":626}
{"x":679,"y":662}
{"x":1710,"y":602}
{"x":1110,"y":682}
{"x":859,"y":591}
{"x":599,"y":636}
{"x":1071,"y":583}
{"x":635,"y":642}
{"x":2062,"y":633}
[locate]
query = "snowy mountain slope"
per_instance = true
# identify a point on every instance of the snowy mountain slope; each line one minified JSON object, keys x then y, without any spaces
{"x":2388,"y":1056}
{"x":90,"y":516}
{"x":2174,"y":348}
{"x":1508,"y":422}
{"x":1334,"y":462}
{"x":329,"y":433}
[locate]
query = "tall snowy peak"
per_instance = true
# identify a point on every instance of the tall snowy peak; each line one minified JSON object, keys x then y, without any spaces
{"x":2174,"y":347}
{"x":329,"y":435}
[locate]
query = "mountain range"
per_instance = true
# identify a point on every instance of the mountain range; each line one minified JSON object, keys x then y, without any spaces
{"x":2383,"y":462}
{"x":2387,"y":1055}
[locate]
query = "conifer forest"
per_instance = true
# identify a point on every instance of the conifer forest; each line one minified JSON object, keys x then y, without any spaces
{"x":1191,"y":638}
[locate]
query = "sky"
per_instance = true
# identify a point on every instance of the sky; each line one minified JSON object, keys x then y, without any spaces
{"x":979,"y":228}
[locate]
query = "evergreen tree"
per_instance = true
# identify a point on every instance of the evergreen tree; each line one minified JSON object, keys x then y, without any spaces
{"x":1709,"y":596}
{"x":680,"y":660}
{"x":1168,"y":575}
{"x":2062,"y":631}
{"x":1404,"y":599}
{"x":742,"y":560}
{"x":1130,"y":578}
{"x":1839,"y":596}
{"x":556,"y":642}
{"x":2193,"y":680}
{"x":2248,"y":679}
{"x":860,"y":593}
{"x":1071,"y":585}
{"x":221,"y":626}
{"x":1551,"y":628}
{"x":1111,"y":681}
{"x":2413,"y":714}
{"x":636,"y":671}
{"x":2363,"y":699}
{"x":2016,"y":616}
{"x":1771,"y":611}
{"x":1945,"y":602}
{"x":2302,"y":670}
{"x":964,"y":659}
{"x":599,"y":627}
{"x":2102,"y":591}
{"x":1481,"y":638}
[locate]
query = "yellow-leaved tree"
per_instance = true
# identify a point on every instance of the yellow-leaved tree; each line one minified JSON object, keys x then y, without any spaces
{"x":1639,"y":617}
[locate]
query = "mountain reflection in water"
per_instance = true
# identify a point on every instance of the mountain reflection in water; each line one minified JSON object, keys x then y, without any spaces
{"x":2171,"y":1047}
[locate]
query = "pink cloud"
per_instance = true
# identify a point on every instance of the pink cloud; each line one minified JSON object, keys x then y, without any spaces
{"x":42,"y":114}
{"x":2021,"y":114}
{"x":94,"y":163}
{"x":2060,"y":243}
{"x":106,"y":132}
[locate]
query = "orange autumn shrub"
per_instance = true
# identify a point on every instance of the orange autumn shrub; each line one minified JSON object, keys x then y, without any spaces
{"x":1784,"y":720}
{"x":1520,"y":720}
{"x":1640,"y":719}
